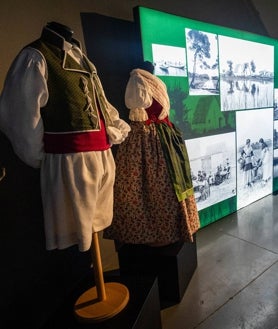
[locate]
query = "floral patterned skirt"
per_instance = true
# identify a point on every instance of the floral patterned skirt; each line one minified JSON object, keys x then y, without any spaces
{"x":146,"y":208}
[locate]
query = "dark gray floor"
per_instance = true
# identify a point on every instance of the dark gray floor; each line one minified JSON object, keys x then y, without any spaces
{"x":235,"y":285}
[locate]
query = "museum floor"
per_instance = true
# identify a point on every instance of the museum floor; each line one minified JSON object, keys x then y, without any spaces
{"x":235,"y":285}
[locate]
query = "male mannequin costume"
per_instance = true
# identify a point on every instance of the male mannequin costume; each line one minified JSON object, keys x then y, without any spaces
{"x":55,"y":113}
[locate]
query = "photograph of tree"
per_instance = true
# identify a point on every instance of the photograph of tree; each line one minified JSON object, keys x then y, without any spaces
{"x":213,"y":168}
{"x":169,"y":60}
{"x":246,"y":74}
{"x":202,"y":61}
{"x":254,"y":155}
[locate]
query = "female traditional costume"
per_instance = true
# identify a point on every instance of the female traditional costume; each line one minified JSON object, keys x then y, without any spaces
{"x":154,"y":202}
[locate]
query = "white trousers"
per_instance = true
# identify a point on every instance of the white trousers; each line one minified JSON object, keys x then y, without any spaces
{"x":77,"y":196}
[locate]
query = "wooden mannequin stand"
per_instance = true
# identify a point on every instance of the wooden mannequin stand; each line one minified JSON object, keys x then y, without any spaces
{"x":103,"y":301}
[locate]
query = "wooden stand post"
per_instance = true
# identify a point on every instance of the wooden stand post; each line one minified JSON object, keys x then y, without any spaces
{"x":103,"y":301}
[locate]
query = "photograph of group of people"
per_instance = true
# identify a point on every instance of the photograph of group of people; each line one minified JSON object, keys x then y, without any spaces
{"x":275,"y":149}
{"x":213,"y":168}
{"x":219,"y":172}
{"x":254,"y":155}
{"x":256,"y":167}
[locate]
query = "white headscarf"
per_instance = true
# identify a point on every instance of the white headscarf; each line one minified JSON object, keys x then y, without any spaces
{"x":142,"y":87}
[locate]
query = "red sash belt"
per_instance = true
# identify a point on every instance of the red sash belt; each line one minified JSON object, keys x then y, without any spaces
{"x":74,"y":142}
{"x":154,"y":119}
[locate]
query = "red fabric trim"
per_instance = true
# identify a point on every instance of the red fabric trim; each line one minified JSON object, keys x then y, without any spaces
{"x":153,"y":113}
{"x":76,"y":142}
{"x":157,"y":121}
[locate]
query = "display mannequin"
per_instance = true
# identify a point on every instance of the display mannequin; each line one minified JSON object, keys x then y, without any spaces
{"x":63,"y":30}
{"x":54,"y":111}
{"x":154,"y":201}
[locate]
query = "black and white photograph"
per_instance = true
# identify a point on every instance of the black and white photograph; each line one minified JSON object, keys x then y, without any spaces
{"x":254,"y":155}
{"x":169,"y":60}
{"x":246,"y":74}
{"x":202,"y":62}
{"x":213,"y":168}
{"x":275,"y":105}
{"x":275,"y":149}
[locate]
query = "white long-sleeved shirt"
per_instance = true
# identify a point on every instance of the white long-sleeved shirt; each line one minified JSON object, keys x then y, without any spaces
{"x":25,"y":92}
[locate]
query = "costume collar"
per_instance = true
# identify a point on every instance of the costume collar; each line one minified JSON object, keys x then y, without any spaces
{"x":57,"y":40}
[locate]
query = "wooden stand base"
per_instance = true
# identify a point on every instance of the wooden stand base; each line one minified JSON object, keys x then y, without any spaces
{"x":88,"y":307}
{"x":103,"y":301}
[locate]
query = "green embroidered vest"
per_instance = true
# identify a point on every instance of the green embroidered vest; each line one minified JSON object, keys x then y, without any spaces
{"x":72,"y":104}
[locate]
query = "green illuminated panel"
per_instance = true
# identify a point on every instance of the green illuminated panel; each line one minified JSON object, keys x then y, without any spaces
{"x":222,"y":85}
